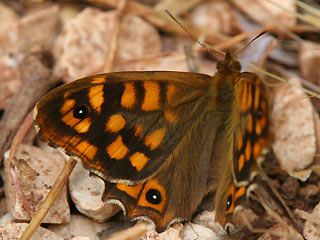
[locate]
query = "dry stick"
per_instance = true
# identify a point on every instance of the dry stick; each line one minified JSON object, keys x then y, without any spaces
{"x":22,"y":165}
{"x":13,"y":162}
{"x":114,"y":38}
{"x":51,"y":197}
{"x":131,"y":233}
{"x":288,"y":74}
{"x":19,"y":190}
{"x":271,"y":232}
{"x":278,"y":218}
{"x":238,"y":38}
{"x":27,"y":123}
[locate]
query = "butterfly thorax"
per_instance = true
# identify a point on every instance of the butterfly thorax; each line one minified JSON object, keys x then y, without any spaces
{"x":224,"y":90}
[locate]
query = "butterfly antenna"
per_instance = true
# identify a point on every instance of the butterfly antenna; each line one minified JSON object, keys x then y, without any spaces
{"x":188,"y":32}
{"x":249,"y":43}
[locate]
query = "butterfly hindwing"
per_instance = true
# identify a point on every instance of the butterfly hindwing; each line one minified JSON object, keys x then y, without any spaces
{"x":250,"y":137}
{"x":174,"y":193}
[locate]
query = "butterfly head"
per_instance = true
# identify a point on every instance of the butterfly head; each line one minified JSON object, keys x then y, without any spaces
{"x":229,"y":64}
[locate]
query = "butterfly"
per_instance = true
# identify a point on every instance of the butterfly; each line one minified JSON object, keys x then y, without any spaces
{"x":162,"y":141}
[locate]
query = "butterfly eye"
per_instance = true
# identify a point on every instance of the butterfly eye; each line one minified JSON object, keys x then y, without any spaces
{"x":80,"y":112}
{"x":229,"y":202}
{"x":236,"y":66}
{"x":153,"y":196}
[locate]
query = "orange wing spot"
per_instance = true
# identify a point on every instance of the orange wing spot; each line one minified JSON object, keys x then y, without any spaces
{"x":66,"y":95}
{"x":171,"y":90}
{"x":170,"y":116}
{"x":241,"y":162}
{"x":96,"y":97}
{"x":115,"y":123}
{"x":153,"y":184}
{"x":231,"y":207}
{"x":128,"y":98}
{"x":70,"y":120}
{"x":256,"y":98}
{"x":138,"y":160}
{"x":239,"y":142}
{"x":74,"y":141}
{"x":239,"y":193}
{"x":256,"y":150}
{"x":250,"y":123}
{"x":67,"y":106}
{"x":249,"y":99}
{"x":258,"y":127}
{"x":117,"y":149}
{"x":83,"y":126}
{"x":154,"y":139}
{"x":264,"y":108}
{"x":138,"y":131}
{"x":263,"y":121}
{"x":152,"y":96}
{"x":66,"y":141}
{"x":132,"y":191}
{"x":244,"y":98}
{"x":97,"y":80}
{"x":248,"y":151}
{"x":88,"y":150}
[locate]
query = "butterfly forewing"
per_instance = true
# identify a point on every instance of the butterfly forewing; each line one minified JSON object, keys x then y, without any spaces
{"x":123,"y":125}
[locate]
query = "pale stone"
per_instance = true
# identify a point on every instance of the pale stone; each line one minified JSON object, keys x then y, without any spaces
{"x":309,"y":60}
{"x":206,"y":219}
{"x":7,"y":218}
{"x":81,"y":238}
{"x":267,"y":13}
{"x":79,"y":226}
{"x":13,"y":231}
{"x":282,"y":232}
{"x":23,"y":36}
{"x":8,"y":17}
{"x":311,"y":230}
{"x":174,"y":232}
{"x":10,"y":80}
{"x":135,"y":30}
{"x":86,"y":193}
{"x":198,"y":232}
{"x":175,"y":61}
{"x":215,"y":16}
{"x":35,"y":191}
{"x":19,"y":36}
{"x":84,"y":44}
{"x":293,"y":128}
{"x":172,"y":61}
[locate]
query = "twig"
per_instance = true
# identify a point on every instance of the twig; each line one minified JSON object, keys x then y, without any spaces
{"x":115,"y":37}
{"x":51,"y":197}
{"x":131,"y":233}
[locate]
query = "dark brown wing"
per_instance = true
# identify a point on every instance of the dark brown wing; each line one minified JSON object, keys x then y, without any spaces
{"x":123,"y":126}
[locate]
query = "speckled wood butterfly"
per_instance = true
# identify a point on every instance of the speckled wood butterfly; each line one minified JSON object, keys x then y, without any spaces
{"x":161,"y":141}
